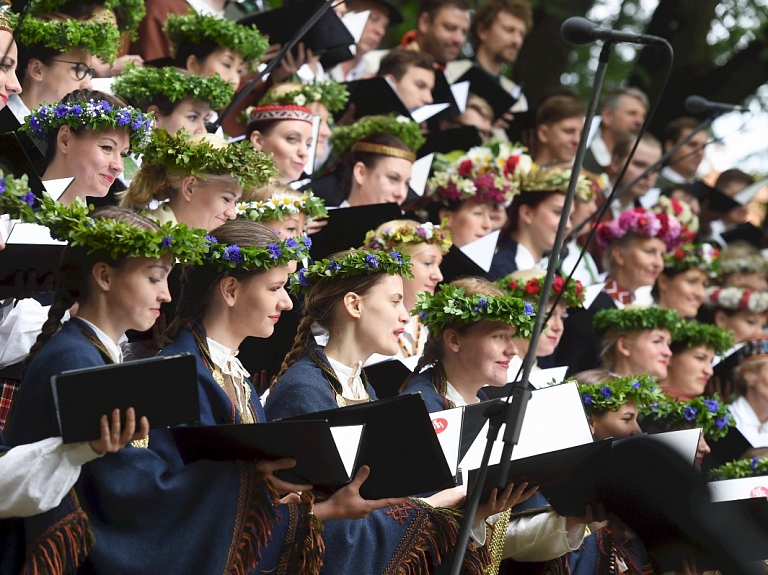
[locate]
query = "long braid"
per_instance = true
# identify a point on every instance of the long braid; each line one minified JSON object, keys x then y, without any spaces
{"x":64,"y":299}
{"x":433,"y":352}
{"x":300,"y":342}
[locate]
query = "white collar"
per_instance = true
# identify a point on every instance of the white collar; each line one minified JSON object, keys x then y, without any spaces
{"x":600,"y":150}
{"x":349,"y":377}
{"x":113,"y":348}
{"x":524,"y":258}
{"x":669,"y":174}
{"x":202,"y":8}
{"x":225,"y":360}
{"x":452,"y":395}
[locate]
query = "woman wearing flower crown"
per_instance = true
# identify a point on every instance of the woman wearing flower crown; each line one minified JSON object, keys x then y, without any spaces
{"x":178,"y":99}
{"x":750,"y":409}
{"x":739,"y":310}
{"x":527,"y":285}
{"x":55,"y":57}
{"x":465,"y":190}
{"x":634,"y":244}
{"x":744,"y":266}
{"x":636,"y":340}
{"x":124,"y":512}
{"x":426,"y":244}
{"x":284,"y":210}
{"x":201,"y":177}
{"x":357,"y":297}
{"x":694,"y":346}
{"x":534,"y":217}
{"x":682,"y":285}
{"x":285,"y":132}
{"x":9,"y":84}
{"x":88,"y":135}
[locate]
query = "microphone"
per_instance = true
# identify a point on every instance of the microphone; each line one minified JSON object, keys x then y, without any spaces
{"x":698,"y":105}
{"x":577,"y":31}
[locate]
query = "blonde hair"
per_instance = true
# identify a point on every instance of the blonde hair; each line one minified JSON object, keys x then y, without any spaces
{"x":744,"y":367}
{"x":157,"y":182}
{"x":271,"y":190}
{"x":524,"y":276}
{"x":282,"y":89}
{"x":410,"y":249}
{"x":481,"y":106}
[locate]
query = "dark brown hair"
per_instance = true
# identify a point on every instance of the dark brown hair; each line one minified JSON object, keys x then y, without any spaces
{"x":673,"y":131}
{"x":397,"y":62}
{"x":199,"y":282}
{"x":433,"y":7}
{"x":488,"y":11}
{"x":74,"y":269}
{"x":557,"y":109}
{"x":369,"y":159}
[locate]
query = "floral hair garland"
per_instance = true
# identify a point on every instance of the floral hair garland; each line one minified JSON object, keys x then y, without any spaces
{"x":129,"y":13}
{"x":705,"y":257}
{"x":99,"y":38}
{"x":710,"y":414}
{"x":404,"y":128}
{"x":636,"y":318}
{"x":353,"y":263}
{"x":91,"y":115}
{"x":488,"y":173}
{"x":573,"y":296}
{"x":449,"y":305}
{"x":693,"y":333}
{"x":737,"y":299}
{"x":198,"y":28}
{"x":74,"y":225}
{"x":643,"y":223}
{"x":681,"y":211}
{"x":333,"y":95}
{"x":745,"y":265}
{"x":610,"y":395}
{"x":740,"y":468}
{"x":554,"y":179}
{"x":146,"y":83}
{"x":427,"y":233}
{"x":16,"y":198}
{"x":252,"y":169}
{"x":278,"y":205}
{"x":232,"y":256}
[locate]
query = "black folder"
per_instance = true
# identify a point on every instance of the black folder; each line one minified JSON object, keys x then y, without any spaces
{"x":310,"y":443}
{"x":387,"y":377}
{"x":164,"y":389}
{"x":346,"y":228}
{"x":565,"y":477}
{"x":481,"y":84}
{"x":281,"y":24}
{"x":42,"y":258}
{"x":446,"y":141}
{"x":726,"y":449}
{"x":456,"y":264}
{"x":373,"y":97}
{"x":19,"y":157}
{"x":399,"y":445}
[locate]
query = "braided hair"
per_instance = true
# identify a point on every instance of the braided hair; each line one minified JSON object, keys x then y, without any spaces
{"x":74,"y":269}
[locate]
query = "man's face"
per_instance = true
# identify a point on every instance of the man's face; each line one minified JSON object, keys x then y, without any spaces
{"x":626,"y":119}
{"x":561,"y":139}
{"x":444,"y":36}
{"x":504,"y":39}
{"x":686,"y":160}
{"x":415,"y":87}
{"x":375,"y":27}
{"x":645,"y":156}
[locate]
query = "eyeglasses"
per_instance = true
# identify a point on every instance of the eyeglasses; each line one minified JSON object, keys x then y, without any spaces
{"x":81,"y":69}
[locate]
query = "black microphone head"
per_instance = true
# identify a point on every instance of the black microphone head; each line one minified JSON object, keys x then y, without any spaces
{"x":696,"y":104}
{"x":577,"y":31}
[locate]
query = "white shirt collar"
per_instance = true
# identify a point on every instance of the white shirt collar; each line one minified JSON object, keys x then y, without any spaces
{"x":113,"y":348}
{"x":524,"y":258}
{"x":600,"y":150}
{"x":202,"y":8}
{"x":671,"y":175}
{"x":225,"y":360}
{"x":747,"y":422}
{"x":452,"y":395}
{"x":349,"y":377}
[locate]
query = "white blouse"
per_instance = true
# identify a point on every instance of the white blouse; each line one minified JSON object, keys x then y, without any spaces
{"x":747,"y":422}
{"x":351,"y":382}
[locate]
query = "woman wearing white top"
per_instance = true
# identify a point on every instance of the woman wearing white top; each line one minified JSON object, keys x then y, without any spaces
{"x":750,"y":410}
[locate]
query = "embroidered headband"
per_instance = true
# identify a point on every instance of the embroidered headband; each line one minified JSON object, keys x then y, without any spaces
{"x":240,"y":160}
{"x":711,"y":415}
{"x":705,"y":257}
{"x":353,"y":263}
{"x":754,"y":348}
{"x":90,"y":115}
{"x":693,"y":333}
{"x":410,"y":233}
{"x":228,"y":257}
{"x":449,"y":305}
{"x":610,"y":395}
{"x":636,"y":318}
{"x":275,"y":113}
{"x":137,"y":84}
{"x":278,"y":205}
{"x":643,"y":223}
{"x":737,"y":299}
{"x":8,"y":19}
{"x":382,"y":150}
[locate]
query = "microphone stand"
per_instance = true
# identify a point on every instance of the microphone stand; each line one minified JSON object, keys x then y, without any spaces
{"x":512,"y":413}
{"x":704,"y":125}
{"x":240,"y":96}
